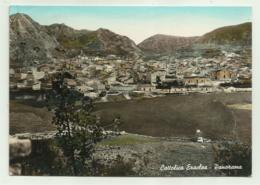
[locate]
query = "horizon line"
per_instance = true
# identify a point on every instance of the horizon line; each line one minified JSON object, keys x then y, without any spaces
{"x":126,"y":35}
{"x":141,"y":22}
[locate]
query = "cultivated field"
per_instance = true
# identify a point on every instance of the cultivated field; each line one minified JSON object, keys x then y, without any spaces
{"x":25,"y":118}
{"x":170,"y":116}
{"x":180,"y":116}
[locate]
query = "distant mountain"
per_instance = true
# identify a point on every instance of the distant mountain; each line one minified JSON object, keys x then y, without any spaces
{"x":101,"y":41}
{"x":165,"y":43}
{"x":236,"y":35}
{"x":30,"y":41}
{"x":240,"y":34}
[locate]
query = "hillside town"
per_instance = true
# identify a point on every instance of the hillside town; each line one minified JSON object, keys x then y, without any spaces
{"x":88,"y":101}
{"x":102,"y":77}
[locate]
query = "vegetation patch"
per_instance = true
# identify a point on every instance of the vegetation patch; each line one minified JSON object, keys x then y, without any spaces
{"x":129,"y":139}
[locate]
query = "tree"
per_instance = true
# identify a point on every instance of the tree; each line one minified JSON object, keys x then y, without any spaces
{"x":78,"y":130}
{"x":234,"y":153}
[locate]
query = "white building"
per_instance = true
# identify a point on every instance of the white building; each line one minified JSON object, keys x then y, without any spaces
{"x":36,"y":86}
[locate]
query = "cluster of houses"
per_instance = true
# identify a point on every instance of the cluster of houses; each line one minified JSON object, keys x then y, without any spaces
{"x":111,"y":75}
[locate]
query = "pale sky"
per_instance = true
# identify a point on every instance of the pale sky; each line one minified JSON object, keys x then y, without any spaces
{"x":139,"y":22}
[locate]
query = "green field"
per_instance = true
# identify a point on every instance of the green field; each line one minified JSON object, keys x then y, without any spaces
{"x":170,"y":116}
{"x":180,"y":116}
{"x":129,"y":139}
{"x":25,"y":118}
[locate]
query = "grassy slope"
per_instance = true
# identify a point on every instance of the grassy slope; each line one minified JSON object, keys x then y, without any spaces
{"x":167,"y":116}
{"x":178,"y":115}
{"x":79,"y":41}
{"x":230,"y":34}
{"x":129,"y":139}
{"x":24,"y":118}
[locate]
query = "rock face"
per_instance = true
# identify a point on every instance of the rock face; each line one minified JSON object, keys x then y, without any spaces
{"x":165,"y":43}
{"x":31,"y":42}
{"x":117,"y":44}
{"x":19,"y":147}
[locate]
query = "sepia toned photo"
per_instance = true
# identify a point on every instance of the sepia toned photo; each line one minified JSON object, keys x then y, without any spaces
{"x":130,"y":91}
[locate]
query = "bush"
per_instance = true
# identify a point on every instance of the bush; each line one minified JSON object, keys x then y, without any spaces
{"x":236,"y":154}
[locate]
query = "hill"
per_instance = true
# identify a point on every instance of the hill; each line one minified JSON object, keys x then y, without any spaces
{"x":240,"y":34}
{"x":236,"y":35}
{"x":165,"y":43}
{"x":31,"y":42}
{"x":99,"y":42}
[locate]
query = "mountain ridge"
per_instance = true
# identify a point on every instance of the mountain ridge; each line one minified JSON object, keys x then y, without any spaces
{"x":239,"y":34}
{"x":31,"y":41}
{"x":234,"y":34}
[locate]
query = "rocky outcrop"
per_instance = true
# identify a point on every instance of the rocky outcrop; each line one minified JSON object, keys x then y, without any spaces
{"x":18,"y":148}
{"x":31,"y":42}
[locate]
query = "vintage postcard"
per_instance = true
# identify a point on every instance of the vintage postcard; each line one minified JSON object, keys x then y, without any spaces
{"x":143,"y":91}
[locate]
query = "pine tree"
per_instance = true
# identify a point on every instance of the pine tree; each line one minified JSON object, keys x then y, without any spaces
{"x":78,"y":130}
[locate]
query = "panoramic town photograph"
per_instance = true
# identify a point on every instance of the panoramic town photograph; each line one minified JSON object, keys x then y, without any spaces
{"x":130,"y":91}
